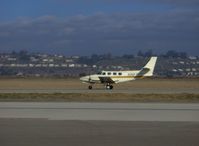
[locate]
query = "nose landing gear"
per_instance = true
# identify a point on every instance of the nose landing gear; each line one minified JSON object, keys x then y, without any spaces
{"x":90,"y":87}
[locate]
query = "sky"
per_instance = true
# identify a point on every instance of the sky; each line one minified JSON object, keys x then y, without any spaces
{"x":85,"y":27}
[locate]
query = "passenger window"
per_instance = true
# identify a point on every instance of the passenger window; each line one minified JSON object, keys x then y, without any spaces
{"x":109,"y":73}
{"x":120,"y":73}
{"x":114,"y":73}
{"x":103,"y":73}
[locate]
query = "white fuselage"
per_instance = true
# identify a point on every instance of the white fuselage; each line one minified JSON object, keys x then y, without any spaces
{"x":116,"y":76}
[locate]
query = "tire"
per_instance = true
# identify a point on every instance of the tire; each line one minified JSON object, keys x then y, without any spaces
{"x":109,"y":87}
{"x":90,"y":87}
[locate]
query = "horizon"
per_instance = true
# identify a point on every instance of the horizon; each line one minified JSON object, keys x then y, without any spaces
{"x":136,"y":54}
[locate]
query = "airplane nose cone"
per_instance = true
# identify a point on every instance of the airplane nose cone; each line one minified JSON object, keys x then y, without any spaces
{"x":85,"y":78}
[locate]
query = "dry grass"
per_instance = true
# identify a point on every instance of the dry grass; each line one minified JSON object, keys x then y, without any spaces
{"x":39,"y":83}
{"x":47,"y":83}
{"x":99,"y":97}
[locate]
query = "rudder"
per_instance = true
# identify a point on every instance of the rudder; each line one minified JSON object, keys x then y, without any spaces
{"x":150,"y":66}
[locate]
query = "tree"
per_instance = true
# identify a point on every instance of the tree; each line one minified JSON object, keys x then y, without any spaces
{"x":175,"y":54}
{"x":148,"y":53}
{"x":23,"y":56}
{"x":128,"y":56}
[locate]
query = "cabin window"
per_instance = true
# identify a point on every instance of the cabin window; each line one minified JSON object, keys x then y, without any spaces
{"x":109,"y":73}
{"x":115,"y":73}
{"x":103,"y":73}
{"x":120,"y":73}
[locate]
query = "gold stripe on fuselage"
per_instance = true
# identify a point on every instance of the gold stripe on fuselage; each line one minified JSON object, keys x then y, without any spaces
{"x":128,"y":77}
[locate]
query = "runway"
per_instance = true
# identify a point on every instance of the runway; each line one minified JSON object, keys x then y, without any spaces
{"x":97,"y":124}
{"x":101,"y":111}
{"x":102,"y":90}
{"x":42,"y":132}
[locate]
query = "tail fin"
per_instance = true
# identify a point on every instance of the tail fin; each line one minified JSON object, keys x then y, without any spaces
{"x":148,"y":69}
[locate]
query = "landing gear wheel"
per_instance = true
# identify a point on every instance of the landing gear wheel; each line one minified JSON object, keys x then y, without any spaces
{"x":109,"y":87}
{"x":90,"y":87}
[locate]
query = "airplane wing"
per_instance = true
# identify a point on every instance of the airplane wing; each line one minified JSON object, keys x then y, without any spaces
{"x":106,"y":80}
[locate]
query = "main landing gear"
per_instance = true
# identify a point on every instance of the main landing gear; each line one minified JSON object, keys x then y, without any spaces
{"x":90,"y":87}
{"x":108,"y":87}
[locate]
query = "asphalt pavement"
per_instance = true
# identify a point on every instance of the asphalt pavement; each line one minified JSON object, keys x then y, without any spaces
{"x":43,"y":132}
{"x":97,"y":124}
{"x":101,"y":111}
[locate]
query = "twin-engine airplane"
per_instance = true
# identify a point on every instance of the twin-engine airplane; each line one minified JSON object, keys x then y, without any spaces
{"x":113,"y":77}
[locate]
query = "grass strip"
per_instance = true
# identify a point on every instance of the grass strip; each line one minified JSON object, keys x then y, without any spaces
{"x":99,"y":97}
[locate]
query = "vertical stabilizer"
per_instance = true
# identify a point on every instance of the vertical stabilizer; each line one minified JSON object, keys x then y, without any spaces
{"x":148,"y":69}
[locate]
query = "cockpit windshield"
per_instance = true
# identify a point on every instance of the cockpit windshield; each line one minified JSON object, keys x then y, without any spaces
{"x":99,"y":73}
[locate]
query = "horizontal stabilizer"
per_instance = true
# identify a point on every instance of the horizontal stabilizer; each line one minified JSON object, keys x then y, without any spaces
{"x":143,"y":71}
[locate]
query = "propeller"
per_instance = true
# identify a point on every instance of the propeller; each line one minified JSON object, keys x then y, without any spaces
{"x":89,"y":79}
